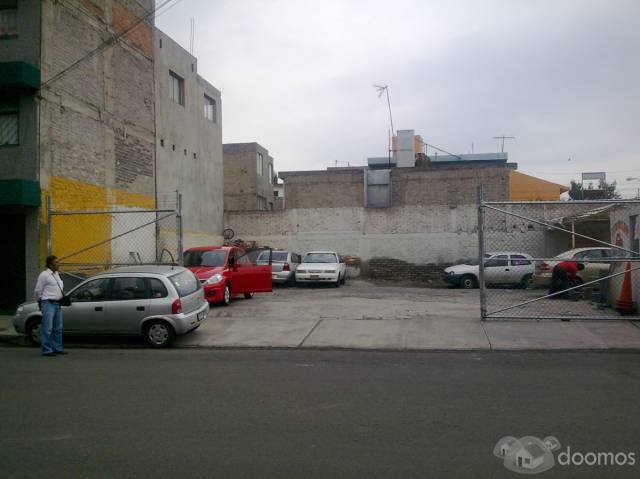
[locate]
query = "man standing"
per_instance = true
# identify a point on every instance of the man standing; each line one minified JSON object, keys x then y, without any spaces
{"x":48,"y":293}
{"x":564,"y":277}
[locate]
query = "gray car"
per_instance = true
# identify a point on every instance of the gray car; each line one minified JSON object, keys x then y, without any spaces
{"x":157,"y":302}
{"x":283,"y":265}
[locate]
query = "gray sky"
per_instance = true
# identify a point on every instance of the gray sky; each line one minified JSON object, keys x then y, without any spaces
{"x":296,"y":76}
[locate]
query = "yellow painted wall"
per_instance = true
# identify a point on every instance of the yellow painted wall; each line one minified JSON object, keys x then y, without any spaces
{"x":529,"y":188}
{"x":76,"y":232}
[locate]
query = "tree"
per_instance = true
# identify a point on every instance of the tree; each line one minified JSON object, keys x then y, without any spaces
{"x":606,"y":191}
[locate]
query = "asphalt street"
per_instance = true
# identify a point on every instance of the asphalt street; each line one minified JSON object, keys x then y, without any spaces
{"x":308,"y":414}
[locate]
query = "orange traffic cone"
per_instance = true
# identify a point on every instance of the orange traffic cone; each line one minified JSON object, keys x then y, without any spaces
{"x":626,"y":305}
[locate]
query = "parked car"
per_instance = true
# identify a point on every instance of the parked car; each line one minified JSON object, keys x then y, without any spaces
{"x":157,"y":302}
{"x":283,"y":265}
{"x":500,"y":268}
{"x":227,"y":271}
{"x":322,"y":267}
{"x":595,"y":262}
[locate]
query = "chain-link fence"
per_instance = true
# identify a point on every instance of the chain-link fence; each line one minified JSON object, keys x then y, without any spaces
{"x":88,"y":242}
{"x":559,"y":259}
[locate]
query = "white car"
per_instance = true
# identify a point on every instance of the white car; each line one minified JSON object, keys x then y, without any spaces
{"x":322,"y":267}
{"x":500,"y":268}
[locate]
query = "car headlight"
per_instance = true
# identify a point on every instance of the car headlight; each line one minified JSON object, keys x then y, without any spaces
{"x":20,"y":309}
{"x":215,"y":279}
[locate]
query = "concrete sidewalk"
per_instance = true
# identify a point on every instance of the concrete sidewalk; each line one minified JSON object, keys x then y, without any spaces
{"x":411,"y":334}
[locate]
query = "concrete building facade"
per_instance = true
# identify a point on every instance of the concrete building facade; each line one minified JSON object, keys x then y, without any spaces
{"x":78,"y":129}
{"x":249,"y":177}
{"x":188,"y":142}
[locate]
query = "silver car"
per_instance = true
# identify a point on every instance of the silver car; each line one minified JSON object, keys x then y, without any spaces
{"x":157,"y":302}
{"x":283,"y":265}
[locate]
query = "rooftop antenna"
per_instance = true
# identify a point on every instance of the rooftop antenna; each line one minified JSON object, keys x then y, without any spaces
{"x":503,"y":138}
{"x":382,"y":89}
{"x":192,"y":34}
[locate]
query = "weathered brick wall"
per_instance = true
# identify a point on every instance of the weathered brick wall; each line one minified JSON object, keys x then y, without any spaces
{"x":450,"y":185}
{"x":434,"y":185}
{"x":97,"y":121}
{"x":325,"y":189}
{"x":391,"y":269}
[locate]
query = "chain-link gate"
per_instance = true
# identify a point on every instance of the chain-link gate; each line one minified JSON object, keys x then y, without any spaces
{"x":88,"y":242}
{"x":522,"y":244}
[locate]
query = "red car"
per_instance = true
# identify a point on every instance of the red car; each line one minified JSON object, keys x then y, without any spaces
{"x":227,"y":271}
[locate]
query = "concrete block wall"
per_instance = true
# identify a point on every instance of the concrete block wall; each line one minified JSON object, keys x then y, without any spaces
{"x":242,"y":183}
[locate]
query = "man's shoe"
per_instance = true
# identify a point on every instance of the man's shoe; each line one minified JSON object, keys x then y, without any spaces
{"x":61,"y":352}
{"x":49,"y":355}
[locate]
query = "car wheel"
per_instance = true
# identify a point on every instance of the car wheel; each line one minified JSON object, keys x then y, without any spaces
{"x":33,"y":330}
{"x":226,"y":295}
{"x":159,"y":334}
{"x":337,"y":283}
{"x":248,"y":295}
{"x":468,"y":281}
{"x":344,"y":279}
{"x":526,"y":281}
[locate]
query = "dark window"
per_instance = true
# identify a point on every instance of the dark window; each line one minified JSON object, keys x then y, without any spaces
{"x":194,"y":156}
{"x":497,"y":261}
{"x":95,"y":290}
{"x":124,"y":289}
{"x":158,"y":289}
{"x":8,"y":18}
{"x":519,"y":260}
{"x":161,"y":142}
{"x":196,"y":258}
{"x":176,"y":88}
{"x":9,"y":121}
{"x":185,"y":283}
{"x":210,"y":109}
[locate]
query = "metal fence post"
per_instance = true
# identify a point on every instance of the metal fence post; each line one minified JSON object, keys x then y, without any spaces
{"x":48,"y":223}
{"x":179,"y":226}
{"x":481,"y":252}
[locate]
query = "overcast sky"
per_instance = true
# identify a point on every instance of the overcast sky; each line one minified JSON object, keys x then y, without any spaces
{"x":296,"y":76}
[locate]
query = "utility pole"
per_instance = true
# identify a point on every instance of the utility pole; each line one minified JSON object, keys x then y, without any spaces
{"x":382,"y":89}
{"x":504,"y":138}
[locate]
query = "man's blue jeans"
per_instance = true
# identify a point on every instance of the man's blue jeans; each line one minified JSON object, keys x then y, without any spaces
{"x":51,"y":327}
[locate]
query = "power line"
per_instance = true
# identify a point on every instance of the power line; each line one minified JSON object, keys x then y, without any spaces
{"x":107,"y":43}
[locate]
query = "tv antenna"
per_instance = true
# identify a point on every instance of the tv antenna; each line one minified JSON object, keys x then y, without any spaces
{"x":192,"y":34}
{"x":382,"y":89}
{"x":504,"y":138}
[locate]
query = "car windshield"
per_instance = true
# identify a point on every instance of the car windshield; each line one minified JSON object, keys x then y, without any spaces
{"x":320,"y":258}
{"x":197,"y":258}
{"x":185,"y":283}
{"x":278,"y":256}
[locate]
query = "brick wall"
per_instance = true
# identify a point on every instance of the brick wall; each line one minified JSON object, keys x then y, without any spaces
{"x":242,"y":184}
{"x":391,"y":269}
{"x":324,"y":189}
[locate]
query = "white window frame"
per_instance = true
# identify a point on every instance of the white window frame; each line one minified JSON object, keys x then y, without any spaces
{"x":210,"y":109}
{"x":260,"y":164}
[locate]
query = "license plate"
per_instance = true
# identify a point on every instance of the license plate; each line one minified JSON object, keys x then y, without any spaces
{"x":314,"y":276}
{"x":201,"y":316}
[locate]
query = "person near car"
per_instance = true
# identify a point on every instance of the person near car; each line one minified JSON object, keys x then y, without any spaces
{"x":564,"y":277}
{"x":48,"y":292}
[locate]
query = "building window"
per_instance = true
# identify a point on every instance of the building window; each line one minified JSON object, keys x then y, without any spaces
{"x":9,"y":122}
{"x":176,"y":88}
{"x":262,"y":203}
{"x":276,"y":193}
{"x":260,"y":164}
{"x":270,"y":172}
{"x":210,"y":109}
{"x":8,"y":18}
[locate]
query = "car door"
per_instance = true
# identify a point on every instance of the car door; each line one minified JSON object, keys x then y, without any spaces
{"x":128,"y":304}
{"x":519,"y":267}
{"x":496,"y":269}
{"x":595,"y":264}
{"x":254,"y":278}
{"x":86,"y":313}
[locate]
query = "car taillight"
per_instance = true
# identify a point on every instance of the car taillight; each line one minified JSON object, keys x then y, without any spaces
{"x":286,"y":267}
{"x":176,"y":307}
